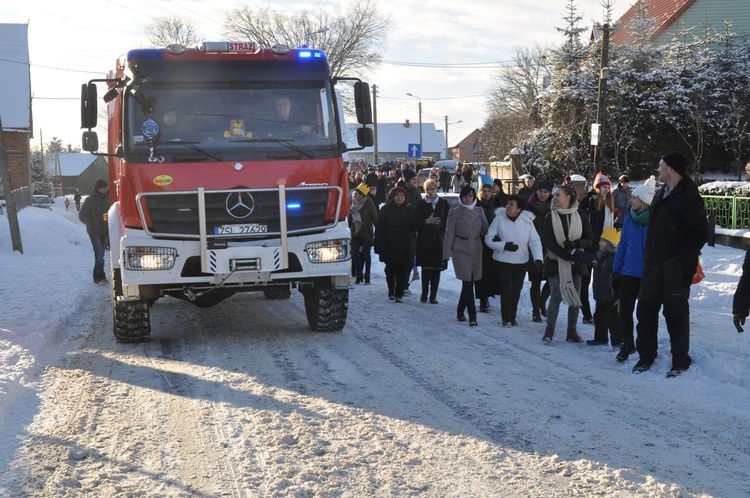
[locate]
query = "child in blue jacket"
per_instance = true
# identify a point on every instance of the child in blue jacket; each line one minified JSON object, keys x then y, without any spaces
{"x":628,"y":267}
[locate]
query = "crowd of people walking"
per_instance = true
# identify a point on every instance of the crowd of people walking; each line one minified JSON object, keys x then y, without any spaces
{"x":636,"y":248}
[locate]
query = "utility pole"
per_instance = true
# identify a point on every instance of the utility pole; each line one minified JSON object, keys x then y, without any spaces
{"x":10,"y":200}
{"x":446,"y":138}
{"x":375,"y":159}
{"x":602,"y":97}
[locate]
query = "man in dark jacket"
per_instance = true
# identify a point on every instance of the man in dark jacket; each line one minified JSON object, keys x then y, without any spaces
{"x":94,"y":215}
{"x":677,"y":231}
{"x":741,"y":301}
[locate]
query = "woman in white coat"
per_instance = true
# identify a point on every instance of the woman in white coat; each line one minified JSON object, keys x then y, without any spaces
{"x":512,"y":236}
{"x":465,"y":228}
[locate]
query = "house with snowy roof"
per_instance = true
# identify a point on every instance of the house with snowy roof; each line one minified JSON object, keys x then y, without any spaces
{"x":15,"y":102}
{"x":669,"y":16}
{"x":394,"y":139}
{"x":79,"y":172}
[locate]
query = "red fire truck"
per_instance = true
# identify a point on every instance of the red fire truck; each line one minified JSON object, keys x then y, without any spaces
{"x":226,"y":176}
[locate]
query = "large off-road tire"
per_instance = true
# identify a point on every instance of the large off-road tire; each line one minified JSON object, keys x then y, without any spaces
{"x":326,"y":309}
{"x":131,"y":320}
{"x":277,"y":293}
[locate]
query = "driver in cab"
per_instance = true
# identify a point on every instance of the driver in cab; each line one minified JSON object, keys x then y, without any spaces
{"x":281,"y":122}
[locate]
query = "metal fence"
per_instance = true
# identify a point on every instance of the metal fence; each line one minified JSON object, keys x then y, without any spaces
{"x":729,"y":212}
{"x":21,"y":198}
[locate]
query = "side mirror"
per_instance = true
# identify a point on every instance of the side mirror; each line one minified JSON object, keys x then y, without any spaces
{"x":90,"y":141}
{"x":88,"y":105}
{"x":365,"y":137}
{"x":362,"y":102}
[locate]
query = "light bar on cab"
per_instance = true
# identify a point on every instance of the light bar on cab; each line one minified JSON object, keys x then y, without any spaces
{"x":238,"y":47}
{"x":310,"y":54}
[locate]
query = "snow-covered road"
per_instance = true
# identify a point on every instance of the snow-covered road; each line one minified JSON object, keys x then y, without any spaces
{"x":242,"y":400}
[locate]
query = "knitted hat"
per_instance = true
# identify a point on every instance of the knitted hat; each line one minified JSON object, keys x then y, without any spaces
{"x":363,"y":188}
{"x":100,"y":184}
{"x":600,"y":180}
{"x":545,"y":185}
{"x":651,"y":182}
{"x":525,"y":176}
{"x":395,"y":190}
{"x":677,"y":161}
{"x":624,"y":179}
{"x":611,"y":236}
{"x":645,"y":193}
{"x":498,"y":182}
{"x":409,"y":174}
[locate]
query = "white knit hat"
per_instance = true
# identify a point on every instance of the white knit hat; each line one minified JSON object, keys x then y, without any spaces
{"x":645,"y":193}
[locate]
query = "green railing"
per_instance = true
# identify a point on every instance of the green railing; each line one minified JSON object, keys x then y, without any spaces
{"x":729,"y":212}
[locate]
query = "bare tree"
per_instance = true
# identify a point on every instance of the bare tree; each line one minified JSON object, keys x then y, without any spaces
{"x":517,"y":86}
{"x":350,"y":37}
{"x":168,"y":30}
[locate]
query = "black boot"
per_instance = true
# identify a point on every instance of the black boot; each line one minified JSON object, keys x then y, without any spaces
{"x":359,"y":278}
{"x":628,"y":348}
{"x":367,"y":277}
{"x":543,"y":296}
{"x":434,"y":284}
{"x":484,"y":305}
{"x":425,"y":285}
{"x":534,"y":296}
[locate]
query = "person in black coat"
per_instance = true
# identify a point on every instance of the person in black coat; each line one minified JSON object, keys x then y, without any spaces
{"x":392,"y":235}
{"x":430,"y":217}
{"x":539,"y":203}
{"x":741,"y":301}
{"x":488,"y":286}
{"x":93,"y":214}
{"x":677,"y":231}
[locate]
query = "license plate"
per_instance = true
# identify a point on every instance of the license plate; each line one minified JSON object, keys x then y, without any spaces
{"x":240,"y":229}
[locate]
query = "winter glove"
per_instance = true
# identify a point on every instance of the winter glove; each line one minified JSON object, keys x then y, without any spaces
{"x":614,"y":281}
{"x":569,"y":245}
{"x":739,"y":321}
{"x":577,"y":255}
{"x":445,"y":264}
{"x":496,"y":238}
{"x":538,"y":263}
{"x":511,"y":246}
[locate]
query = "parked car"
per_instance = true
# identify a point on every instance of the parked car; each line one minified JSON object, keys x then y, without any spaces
{"x":41,"y":201}
{"x":424,"y":173}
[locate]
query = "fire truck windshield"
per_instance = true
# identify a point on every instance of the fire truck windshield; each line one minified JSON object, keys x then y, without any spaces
{"x":226,"y":119}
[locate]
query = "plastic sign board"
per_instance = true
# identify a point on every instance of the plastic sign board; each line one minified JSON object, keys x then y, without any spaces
{"x":595,"y":130}
{"x":475,"y":148}
{"x":415,"y":150}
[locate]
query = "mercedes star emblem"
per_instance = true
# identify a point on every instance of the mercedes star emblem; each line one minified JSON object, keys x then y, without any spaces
{"x":240,"y":205}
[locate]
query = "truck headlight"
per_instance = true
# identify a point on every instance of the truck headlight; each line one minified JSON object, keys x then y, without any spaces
{"x":328,"y":251}
{"x":149,"y":258}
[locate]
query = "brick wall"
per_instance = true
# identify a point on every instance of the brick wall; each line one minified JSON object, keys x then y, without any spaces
{"x":17,"y":147}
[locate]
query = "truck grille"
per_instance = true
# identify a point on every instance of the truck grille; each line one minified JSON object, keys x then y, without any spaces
{"x":178,"y":213}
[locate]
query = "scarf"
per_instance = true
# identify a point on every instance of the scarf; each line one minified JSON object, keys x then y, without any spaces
{"x":468,"y":206}
{"x":570,"y":295}
{"x":355,"y":207}
{"x":609,"y":218}
{"x":432,"y":202}
{"x":640,"y":218}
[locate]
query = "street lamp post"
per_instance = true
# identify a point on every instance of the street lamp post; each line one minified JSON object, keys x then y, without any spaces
{"x":421,"y":151}
{"x":446,"y":136}
{"x":322,"y":30}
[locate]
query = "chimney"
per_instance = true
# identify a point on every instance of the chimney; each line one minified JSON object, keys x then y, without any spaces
{"x":406,"y":123}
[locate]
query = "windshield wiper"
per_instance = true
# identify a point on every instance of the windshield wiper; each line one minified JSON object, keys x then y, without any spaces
{"x":191,"y":145}
{"x":282,"y":141}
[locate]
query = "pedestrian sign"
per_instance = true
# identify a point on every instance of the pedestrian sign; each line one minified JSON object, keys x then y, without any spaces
{"x":415,"y":150}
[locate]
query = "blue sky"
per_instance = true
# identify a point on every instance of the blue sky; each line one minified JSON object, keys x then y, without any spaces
{"x":69,"y":45}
